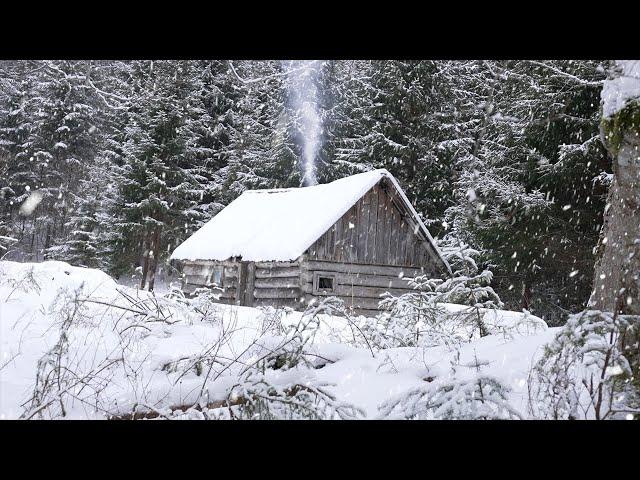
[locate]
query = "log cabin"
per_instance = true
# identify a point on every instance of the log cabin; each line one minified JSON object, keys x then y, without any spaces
{"x":354,"y":238}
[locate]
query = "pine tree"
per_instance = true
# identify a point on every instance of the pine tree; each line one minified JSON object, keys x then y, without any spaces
{"x":535,"y":127}
{"x":166,"y":140}
{"x":264,"y":153}
{"x":49,"y":136}
{"x":391,"y":113}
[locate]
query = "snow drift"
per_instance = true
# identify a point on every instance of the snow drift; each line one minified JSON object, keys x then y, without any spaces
{"x":76,"y":344}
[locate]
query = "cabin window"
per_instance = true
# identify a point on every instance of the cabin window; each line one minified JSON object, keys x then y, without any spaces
{"x":216,"y":275}
{"x":324,"y":283}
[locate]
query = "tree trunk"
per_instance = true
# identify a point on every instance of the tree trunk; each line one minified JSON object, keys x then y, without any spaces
{"x":155,"y":246}
{"x":526,"y":295}
{"x":145,"y":259}
{"x":617,"y":270}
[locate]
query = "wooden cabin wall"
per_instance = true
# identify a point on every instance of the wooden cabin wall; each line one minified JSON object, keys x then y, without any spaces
{"x":377,"y":230}
{"x":249,"y":283}
{"x":277,"y":284}
{"x":369,"y":248}
{"x":358,"y":285}
{"x":196,"y":274}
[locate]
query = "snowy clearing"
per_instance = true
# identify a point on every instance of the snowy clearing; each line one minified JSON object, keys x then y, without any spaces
{"x":121,"y":355}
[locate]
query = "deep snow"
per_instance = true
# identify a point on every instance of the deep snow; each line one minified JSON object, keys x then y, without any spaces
{"x":157,"y":350}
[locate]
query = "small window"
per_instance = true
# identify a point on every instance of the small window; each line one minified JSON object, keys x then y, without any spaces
{"x":324,"y":283}
{"x":216,"y":276}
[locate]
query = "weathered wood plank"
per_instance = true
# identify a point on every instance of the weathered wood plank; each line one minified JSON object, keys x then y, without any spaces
{"x":351,"y":223}
{"x":390,"y":226}
{"x":277,"y":272}
{"x":364,"y":268}
{"x":278,"y":282}
{"x":363,"y":228}
{"x":209,"y":263}
{"x":230,"y":282}
{"x":402,"y":243}
{"x":381,"y":247}
{"x":271,"y":265}
{"x":393,"y":238}
{"x":195,"y":269}
{"x":195,"y":280}
{"x":356,"y":291}
{"x":242,"y":282}
{"x":372,"y":226}
{"x":363,"y":280}
{"x":186,"y":263}
{"x":276,"y":293}
{"x":339,"y":251}
{"x":410,"y":257}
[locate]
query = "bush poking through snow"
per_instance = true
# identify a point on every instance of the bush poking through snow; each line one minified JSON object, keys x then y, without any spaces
{"x":291,"y":393}
{"x":481,"y":398}
{"x":26,"y":283}
{"x":524,"y":325}
{"x":61,"y":379}
{"x":256,"y":398}
{"x":585,"y":373}
{"x":418,"y":318}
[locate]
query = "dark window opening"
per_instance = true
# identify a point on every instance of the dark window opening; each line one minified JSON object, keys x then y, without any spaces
{"x":324,"y":283}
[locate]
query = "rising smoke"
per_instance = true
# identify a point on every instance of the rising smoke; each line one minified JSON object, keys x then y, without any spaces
{"x":303,"y":96}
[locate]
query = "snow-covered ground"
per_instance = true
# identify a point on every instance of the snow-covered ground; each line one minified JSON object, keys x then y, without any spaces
{"x":75,"y":343}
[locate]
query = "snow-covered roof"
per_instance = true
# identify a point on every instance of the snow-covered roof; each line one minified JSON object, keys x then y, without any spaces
{"x":280,"y":224}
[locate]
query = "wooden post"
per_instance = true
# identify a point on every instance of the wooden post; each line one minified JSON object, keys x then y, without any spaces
{"x":242,"y":282}
{"x":251,"y":278}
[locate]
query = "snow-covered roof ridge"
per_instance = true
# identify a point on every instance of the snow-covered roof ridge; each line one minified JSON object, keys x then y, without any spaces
{"x":280,"y":224}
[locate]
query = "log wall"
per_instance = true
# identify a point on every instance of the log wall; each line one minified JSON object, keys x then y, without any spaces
{"x":360,"y":286}
{"x":377,"y":230}
{"x":248,"y":283}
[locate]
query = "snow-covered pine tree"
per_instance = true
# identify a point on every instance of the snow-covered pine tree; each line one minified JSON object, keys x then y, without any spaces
{"x":167,"y":139}
{"x":14,"y":129}
{"x":263,"y":151}
{"x":88,"y":241}
{"x":393,"y":114}
{"x":474,"y":396}
{"x":534,"y":125}
{"x":420,"y":318}
{"x":51,"y":138}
